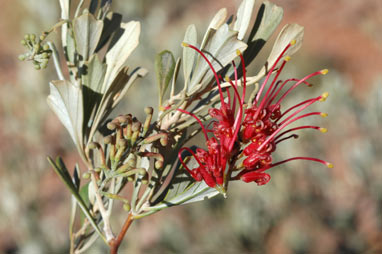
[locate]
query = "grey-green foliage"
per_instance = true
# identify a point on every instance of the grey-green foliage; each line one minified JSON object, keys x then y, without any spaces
{"x":100,"y":80}
{"x":96,"y":46}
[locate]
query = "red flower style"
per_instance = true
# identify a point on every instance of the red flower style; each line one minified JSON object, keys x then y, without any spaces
{"x":264,"y":123}
{"x":220,"y":148}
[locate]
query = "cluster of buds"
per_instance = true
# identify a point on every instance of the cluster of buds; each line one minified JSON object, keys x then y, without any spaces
{"x":38,"y":52}
{"x":244,"y":138}
{"x":123,"y":150}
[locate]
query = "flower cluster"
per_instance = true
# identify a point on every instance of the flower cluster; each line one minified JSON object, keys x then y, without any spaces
{"x":244,"y":138}
{"x":221,"y":147}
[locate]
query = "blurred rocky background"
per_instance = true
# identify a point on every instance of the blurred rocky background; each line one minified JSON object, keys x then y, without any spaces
{"x":306,"y":208}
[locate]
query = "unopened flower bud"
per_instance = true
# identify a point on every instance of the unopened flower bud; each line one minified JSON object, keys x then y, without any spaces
{"x":32,"y":37}
{"x":22,"y":57}
{"x":111,"y":126}
{"x":108,"y":139}
{"x":86,"y":175}
{"x":135,"y":128}
{"x":164,"y":141}
{"x":126,"y":207}
{"x":122,"y":119}
{"x":158,"y":164}
{"x":93,"y":145}
{"x":149,"y":111}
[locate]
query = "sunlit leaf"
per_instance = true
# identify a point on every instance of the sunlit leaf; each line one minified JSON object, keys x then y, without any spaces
{"x":93,"y":80}
{"x":164,"y":68}
{"x":87,"y":32}
{"x":244,"y":15}
{"x":118,"y":54}
{"x":268,"y":18}
{"x":271,"y":16}
{"x":114,"y":94}
{"x":288,"y":33}
{"x":214,"y":25}
{"x":220,"y":50}
{"x":189,"y":54}
{"x":66,"y":101}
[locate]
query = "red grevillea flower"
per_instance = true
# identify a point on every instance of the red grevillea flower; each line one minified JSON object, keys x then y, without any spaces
{"x":264,"y":123}
{"x":256,"y":131}
{"x":226,"y":126}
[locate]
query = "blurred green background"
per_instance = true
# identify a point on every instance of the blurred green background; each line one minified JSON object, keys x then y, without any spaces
{"x":305,"y":208}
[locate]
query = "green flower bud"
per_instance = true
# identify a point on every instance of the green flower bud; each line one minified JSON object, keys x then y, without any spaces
{"x":149,"y":110}
{"x":22,"y":57}
{"x":86,"y":175}
{"x":122,"y":119}
{"x":108,"y":139}
{"x":32,"y":37}
{"x":158,"y":164}
{"x":92,"y":145}
{"x":126,"y":207}
{"x":111,"y":126}
{"x":45,"y":47}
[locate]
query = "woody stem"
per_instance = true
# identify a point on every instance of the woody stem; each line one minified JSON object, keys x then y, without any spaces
{"x":115,"y":243}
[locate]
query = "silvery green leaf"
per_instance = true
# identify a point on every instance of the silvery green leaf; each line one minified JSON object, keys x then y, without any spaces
{"x":189,"y":54}
{"x":138,"y":73}
{"x":175,"y":76}
{"x":65,"y":8}
{"x":70,"y":46}
{"x":66,"y":101}
{"x":288,"y":33}
{"x":90,"y":192}
{"x":218,"y":19}
{"x":267,"y":20}
{"x":183,"y":189}
{"x":216,"y":22}
{"x":65,"y":12}
{"x":87,"y":32}
{"x":244,"y":15}
{"x":61,"y":170}
{"x":164,"y":68}
{"x":92,"y":89}
{"x":220,"y":50}
{"x":271,"y":16}
{"x":118,"y":54}
{"x":114,"y":94}
{"x":95,"y":74}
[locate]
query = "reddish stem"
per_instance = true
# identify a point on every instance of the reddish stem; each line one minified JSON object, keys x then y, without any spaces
{"x":115,"y":243}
